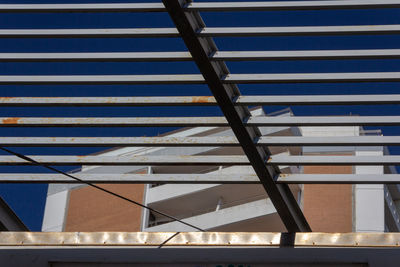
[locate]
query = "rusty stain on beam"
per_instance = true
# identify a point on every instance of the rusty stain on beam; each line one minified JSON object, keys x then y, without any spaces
{"x":203,"y":100}
{"x":196,"y":121}
{"x":112,"y":121}
{"x":108,"y":101}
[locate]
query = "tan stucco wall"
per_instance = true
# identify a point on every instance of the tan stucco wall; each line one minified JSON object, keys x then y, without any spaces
{"x":90,"y":209}
{"x":328,"y":208}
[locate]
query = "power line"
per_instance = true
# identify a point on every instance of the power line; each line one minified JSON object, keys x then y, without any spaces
{"x":98,"y":187}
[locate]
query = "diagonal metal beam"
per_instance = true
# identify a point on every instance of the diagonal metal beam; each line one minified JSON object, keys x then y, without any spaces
{"x":188,"y":24}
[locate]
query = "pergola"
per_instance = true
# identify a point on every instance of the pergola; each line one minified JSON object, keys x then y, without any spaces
{"x":202,"y":50}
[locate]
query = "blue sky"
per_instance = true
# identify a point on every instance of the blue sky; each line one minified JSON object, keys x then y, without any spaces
{"x":28,"y":200}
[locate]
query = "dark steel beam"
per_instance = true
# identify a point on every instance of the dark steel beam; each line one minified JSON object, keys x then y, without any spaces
{"x":188,"y":24}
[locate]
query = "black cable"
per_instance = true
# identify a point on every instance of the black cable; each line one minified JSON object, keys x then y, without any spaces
{"x":98,"y":187}
{"x":168,"y":239}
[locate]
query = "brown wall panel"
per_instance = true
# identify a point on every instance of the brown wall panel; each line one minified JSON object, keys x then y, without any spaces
{"x":90,"y":209}
{"x":328,"y":208}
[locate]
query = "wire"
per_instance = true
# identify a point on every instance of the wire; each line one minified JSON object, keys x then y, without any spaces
{"x":98,"y":187}
{"x":168,"y":239}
